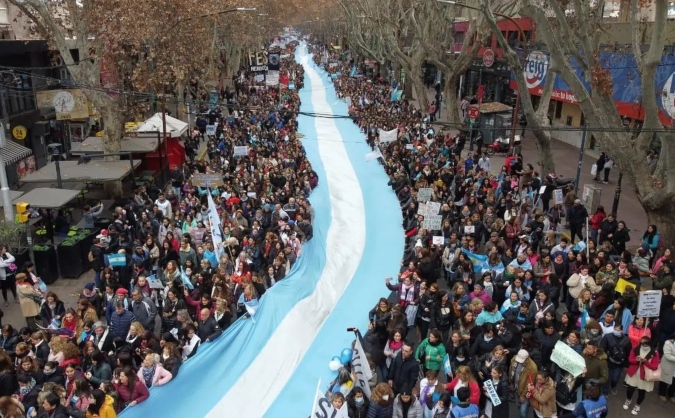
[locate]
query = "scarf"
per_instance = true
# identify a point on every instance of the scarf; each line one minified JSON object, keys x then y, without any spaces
{"x":131,"y":339}
{"x":148,"y":375}
{"x":24,"y":390}
{"x":407,"y":294}
{"x":395,"y":345}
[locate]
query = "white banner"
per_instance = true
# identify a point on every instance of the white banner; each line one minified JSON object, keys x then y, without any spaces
{"x":360,"y":367}
{"x":272,"y":78}
{"x":388,"y":136}
{"x":323,"y":408}
{"x":433,"y":222}
{"x":434,"y":208}
{"x":558,"y":196}
{"x":374,"y":155}
{"x":214,"y":223}
{"x":492,"y":392}
{"x":649,"y":303}
{"x":424,"y":194}
{"x":241,"y":151}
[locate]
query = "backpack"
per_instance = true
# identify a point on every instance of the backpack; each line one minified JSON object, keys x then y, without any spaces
{"x":617,"y":354}
{"x":90,"y":256}
{"x":563,"y":394}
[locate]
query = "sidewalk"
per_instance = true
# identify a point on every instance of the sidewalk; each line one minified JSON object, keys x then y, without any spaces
{"x":566,"y":159}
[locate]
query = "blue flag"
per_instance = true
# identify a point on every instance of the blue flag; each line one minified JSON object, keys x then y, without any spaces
{"x":186,"y":280}
{"x":481,"y":264}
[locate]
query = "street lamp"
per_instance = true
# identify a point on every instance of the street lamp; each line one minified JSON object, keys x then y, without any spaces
{"x":523,"y":58}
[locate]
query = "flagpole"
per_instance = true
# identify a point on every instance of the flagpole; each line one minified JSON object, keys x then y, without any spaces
{"x":318,"y":390}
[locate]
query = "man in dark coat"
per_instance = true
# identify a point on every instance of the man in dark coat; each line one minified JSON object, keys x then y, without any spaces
{"x":404,"y":370}
{"x":207,"y":326}
{"x":120,"y":320}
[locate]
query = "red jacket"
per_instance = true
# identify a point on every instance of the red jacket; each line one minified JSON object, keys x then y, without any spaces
{"x":139,"y":393}
{"x":473,"y":387}
{"x":633,"y":365}
{"x":596,"y":220}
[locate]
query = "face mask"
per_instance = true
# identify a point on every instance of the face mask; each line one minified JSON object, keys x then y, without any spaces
{"x":460,"y":359}
{"x":49,"y":372}
{"x":165,"y":356}
{"x":487,"y":339}
{"x":358,"y":401}
{"x":594,"y":332}
{"x":618,"y":333}
{"x":645,"y":345}
{"x":385,"y":397}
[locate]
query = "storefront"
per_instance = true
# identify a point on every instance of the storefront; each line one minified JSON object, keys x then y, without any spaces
{"x":493,"y":75}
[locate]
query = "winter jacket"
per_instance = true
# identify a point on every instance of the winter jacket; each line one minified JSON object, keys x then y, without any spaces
{"x":380,"y":409}
{"x":474,"y":398}
{"x":575,"y":287}
{"x":161,"y":376}
{"x":415,"y":410}
{"x":107,"y":410}
{"x":120,"y":324}
{"x":145,"y":312}
{"x":404,"y":372}
{"x":635,"y":367}
{"x":355,"y":410}
{"x":432,"y":355}
{"x":529,"y":372}
{"x":668,"y":362}
{"x":138,"y":393}
{"x":545,"y":395}
{"x":596,"y":367}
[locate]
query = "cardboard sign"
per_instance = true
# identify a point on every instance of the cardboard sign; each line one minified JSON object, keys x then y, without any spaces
{"x":649,"y":303}
{"x":433,"y":222}
{"x":207,"y":180}
{"x":211,"y":130}
{"x":558,"y":196}
{"x":437,"y":240}
{"x":241,"y":151}
{"x":434,"y":208}
{"x":469,"y":229}
{"x":424,"y":194}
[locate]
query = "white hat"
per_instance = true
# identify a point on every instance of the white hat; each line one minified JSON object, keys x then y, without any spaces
{"x":522,"y":356}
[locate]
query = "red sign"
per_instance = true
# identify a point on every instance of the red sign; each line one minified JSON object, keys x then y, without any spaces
{"x":488,"y":57}
{"x":473,"y":112}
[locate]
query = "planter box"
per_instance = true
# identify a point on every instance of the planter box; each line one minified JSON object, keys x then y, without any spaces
{"x":102,"y":223}
{"x":21,"y":258}
{"x":46,"y":265}
{"x":70,"y":260}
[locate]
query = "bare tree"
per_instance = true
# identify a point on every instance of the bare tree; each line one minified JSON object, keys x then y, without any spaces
{"x":572,"y":32}
{"x":537,"y":119}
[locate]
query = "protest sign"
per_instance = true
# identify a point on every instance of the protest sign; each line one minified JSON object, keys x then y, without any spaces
{"x":621,"y":285}
{"x":437,"y":240}
{"x":424,"y":194}
{"x":492,"y":393}
{"x":469,"y":229}
{"x":434,"y":208}
{"x":211,"y":130}
{"x":558,"y":196}
{"x":569,"y":360}
{"x":433,"y":222}
{"x":207,"y":180}
{"x":423,"y":209}
{"x":154,"y":282}
{"x":649,"y":303}
{"x":388,"y":136}
{"x":409,"y":146}
{"x":241,"y":151}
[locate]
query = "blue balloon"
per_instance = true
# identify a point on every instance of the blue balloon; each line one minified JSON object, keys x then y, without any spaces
{"x":346,"y":356}
{"x":336,"y":358}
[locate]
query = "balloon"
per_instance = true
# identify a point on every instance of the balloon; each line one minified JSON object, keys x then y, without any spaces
{"x":334,"y":365}
{"x":336,"y":358}
{"x":346,"y":356}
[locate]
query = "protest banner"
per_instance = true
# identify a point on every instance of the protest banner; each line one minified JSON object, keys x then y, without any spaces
{"x":207,"y":180}
{"x":492,"y":393}
{"x":241,"y":151}
{"x":424,"y":194}
{"x":433,"y":222}
{"x":649,"y":303}
{"x":388,"y":136}
{"x":360,"y":366}
{"x":569,"y":360}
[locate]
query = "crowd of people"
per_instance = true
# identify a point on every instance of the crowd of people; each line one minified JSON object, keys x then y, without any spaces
{"x":170,"y":284}
{"x":480,"y":303}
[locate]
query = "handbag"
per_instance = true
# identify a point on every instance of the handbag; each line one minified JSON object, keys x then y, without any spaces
{"x":594,"y":169}
{"x":411,"y":314}
{"x":653,"y":375}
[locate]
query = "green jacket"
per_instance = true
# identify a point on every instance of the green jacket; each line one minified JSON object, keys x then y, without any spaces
{"x":433,"y":355}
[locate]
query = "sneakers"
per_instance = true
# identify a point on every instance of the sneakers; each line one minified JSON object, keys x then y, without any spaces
{"x":613,"y":391}
{"x":636,"y":410}
{"x":626,"y":405}
{"x":663,"y":398}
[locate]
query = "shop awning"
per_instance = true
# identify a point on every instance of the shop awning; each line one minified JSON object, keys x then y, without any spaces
{"x":94,"y":145}
{"x":174,"y":127}
{"x":13,"y":152}
{"x":48,"y":197}
{"x":98,"y":171}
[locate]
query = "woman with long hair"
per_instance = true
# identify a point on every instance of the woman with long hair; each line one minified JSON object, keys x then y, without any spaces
{"x":8,"y":383}
{"x":102,"y":407}
{"x":464,"y":378}
{"x":381,"y":402}
{"x":81,"y":396}
{"x":641,"y":359}
{"x":131,"y":390}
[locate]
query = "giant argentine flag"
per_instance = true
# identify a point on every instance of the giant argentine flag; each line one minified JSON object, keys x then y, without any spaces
{"x":214,"y":223}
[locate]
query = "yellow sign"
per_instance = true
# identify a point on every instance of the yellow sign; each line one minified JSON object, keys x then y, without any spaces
{"x":68,"y":103}
{"x":19,"y":132}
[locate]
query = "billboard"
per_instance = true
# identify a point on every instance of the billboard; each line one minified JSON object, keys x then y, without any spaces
{"x":626,"y":79}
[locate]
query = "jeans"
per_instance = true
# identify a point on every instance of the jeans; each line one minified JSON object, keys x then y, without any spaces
{"x":666,"y":390}
{"x":523,"y":408}
{"x":97,"y":280}
{"x":614,"y":377}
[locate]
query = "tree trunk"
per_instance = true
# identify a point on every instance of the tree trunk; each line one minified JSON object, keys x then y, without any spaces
{"x":451,"y":102}
{"x":420,"y":91}
{"x":112,"y":135}
{"x":662,"y":217}
{"x":545,"y":154}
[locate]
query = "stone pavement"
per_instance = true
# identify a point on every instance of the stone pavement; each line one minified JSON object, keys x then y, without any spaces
{"x":566,"y":158}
